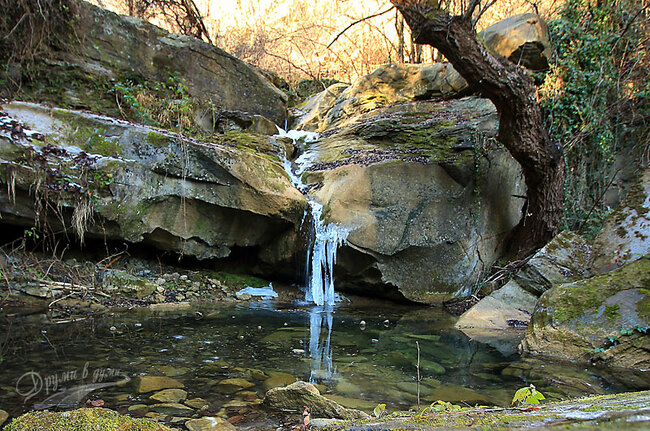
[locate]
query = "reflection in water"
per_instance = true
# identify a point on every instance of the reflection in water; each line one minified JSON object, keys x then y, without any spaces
{"x":320,"y":349}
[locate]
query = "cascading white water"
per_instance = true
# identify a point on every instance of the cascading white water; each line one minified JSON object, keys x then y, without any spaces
{"x":321,"y":254}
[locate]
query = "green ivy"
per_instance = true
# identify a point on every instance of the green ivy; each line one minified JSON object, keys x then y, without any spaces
{"x":594,"y":88}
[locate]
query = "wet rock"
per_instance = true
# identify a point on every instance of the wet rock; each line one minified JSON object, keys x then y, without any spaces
{"x":145,"y":384}
{"x":505,"y":341}
{"x":209,"y":424}
{"x":430,"y":366}
{"x":299,"y":394}
{"x":456,"y":394}
{"x":347,"y":388}
{"x":625,"y":237}
{"x":170,"y":306}
{"x":352,"y":403}
{"x":197,"y":403}
{"x":257,"y":375}
{"x":127,"y":284}
{"x":170,"y":371}
{"x":138,"y":409}
{"x":169,"y":396}
{"x":171,"y":409}
{"x":81,"y":419}
{"x":602,"y":319}
{"x":277,"y":379}
{"x":522,"y":39}
{"x":564,"y":258}
{"x":412,"y":388}
{"x":230,"y":386}
{"x":508,"y":307}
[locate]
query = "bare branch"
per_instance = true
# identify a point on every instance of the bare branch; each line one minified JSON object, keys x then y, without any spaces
{"x":357,"y":22}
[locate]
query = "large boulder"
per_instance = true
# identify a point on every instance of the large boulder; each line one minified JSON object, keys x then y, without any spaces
{"x":299,"y":394}
{"x":115,"y":52}
{"x":603,"y":319}
{"x":427,"y":203}
{"x":522,"y":39}
{"x":508,"y":307}
{"x":626,"y":234}
{"x":112,"y":179}
{"x":388,"y":84}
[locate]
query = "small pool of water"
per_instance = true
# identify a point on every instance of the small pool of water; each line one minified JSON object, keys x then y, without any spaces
{"x":360,"y":355}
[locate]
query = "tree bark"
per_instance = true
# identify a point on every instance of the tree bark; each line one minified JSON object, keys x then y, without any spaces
{"x":521,"y":123}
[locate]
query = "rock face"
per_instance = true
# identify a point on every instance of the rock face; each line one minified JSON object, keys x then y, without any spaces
{"x":602,"y":319}
{"x":142,"y":184}
{"x":299,"y":394}
{"x":522,"y":39}
{"x":626,"y":234}
{"x":119,"y":50}
{"x":565,"y":258}
{"x":426,"y":201}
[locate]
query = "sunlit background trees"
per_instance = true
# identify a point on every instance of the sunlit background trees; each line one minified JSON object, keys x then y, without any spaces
{"x":293,"y":38}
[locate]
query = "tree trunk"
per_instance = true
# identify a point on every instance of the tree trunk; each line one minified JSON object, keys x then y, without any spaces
{"x":399,"y":26}
{"x":521,"y":124}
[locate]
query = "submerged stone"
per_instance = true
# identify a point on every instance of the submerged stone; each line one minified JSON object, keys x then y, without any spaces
{"x":278,"y":379}
{"x":197,"y":403}
{"x":145,"y":384}
{"x":171,"y":409}
{"x":209,"y":424}
{"x":233,"y":385}
{"x":169,"y":396}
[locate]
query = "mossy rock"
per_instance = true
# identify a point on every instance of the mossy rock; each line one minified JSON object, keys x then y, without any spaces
{"x":96,"y":419}
{"x":603,"y":319}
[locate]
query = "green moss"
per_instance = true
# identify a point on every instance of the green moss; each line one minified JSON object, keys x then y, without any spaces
{"x":643,"y":306}
{"x":96,"y":419}
{"x":248,"y":141}
{"x":612,"y":311}
{"x":85,"y":134}
{"x":573,"y":300}
{"x":157,"y":139}
{"x":97,"y":144}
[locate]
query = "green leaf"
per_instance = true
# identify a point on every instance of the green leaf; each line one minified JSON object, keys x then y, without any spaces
{"x":521,"y":395}
{"x":379,"y":410}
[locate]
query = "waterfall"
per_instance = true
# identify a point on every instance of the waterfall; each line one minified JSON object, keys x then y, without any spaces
{"x":326,"y":238}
